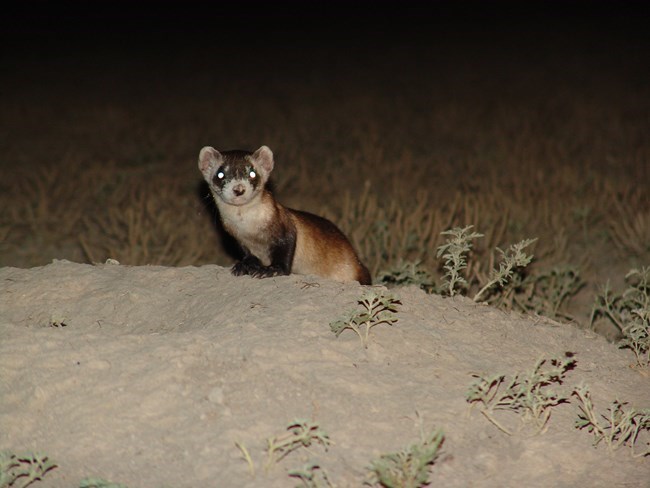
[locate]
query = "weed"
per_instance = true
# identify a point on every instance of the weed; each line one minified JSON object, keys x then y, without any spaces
{"x":619,"y":427}
{"x":629,"y":311}
{"x":506,"y":287}
{"x":247,"y":457}
{"x":527,"y":393}
{"x":302,"y":433}
{"x":312,"y":475}
{"x":408,"y":468}
{"x":513,"y":259}
{"x":378,"y":308}
{"x":406,"y":273}
{"x":454,"y":252}
{"x":21,"y":470}
{"x":545,"y":293}
{"x":637,"y":337}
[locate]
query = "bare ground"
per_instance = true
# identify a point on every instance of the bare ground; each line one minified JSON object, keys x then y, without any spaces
{"x":148,"y":376}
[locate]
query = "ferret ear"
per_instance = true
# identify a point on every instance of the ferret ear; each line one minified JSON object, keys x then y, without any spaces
{"x":209,"y":159}
{"x":264,"y":157}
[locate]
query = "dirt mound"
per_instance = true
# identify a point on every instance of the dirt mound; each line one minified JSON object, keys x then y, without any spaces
{"x":148,"y":376}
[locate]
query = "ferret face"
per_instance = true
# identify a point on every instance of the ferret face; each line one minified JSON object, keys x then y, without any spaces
{"x":236,"y":177}
{"x":236,"y":182}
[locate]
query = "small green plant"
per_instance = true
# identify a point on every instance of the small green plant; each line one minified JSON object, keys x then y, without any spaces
{"x":454,"y":252}
{"x":301,"y":433}
{"x":513,"y":259}
{"x":408,"y":468}
{"x":379,"y":307}
{"x":21,"y":470}
{"x":527,"y":393}
{"x":312,"y":475}
{"x":546,"y":292}
{"x":637,"y":337}
{"x":99,"y":483}
{"x":619,"y":427}
{"x":406,"y":273}
{"x":629,"y":311}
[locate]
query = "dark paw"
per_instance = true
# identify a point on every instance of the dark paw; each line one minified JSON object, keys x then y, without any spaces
{"x":268,"y":272}
{"x":241,"y":268}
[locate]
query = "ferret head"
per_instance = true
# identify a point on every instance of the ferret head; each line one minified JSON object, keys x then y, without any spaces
{"x":236,"y":177}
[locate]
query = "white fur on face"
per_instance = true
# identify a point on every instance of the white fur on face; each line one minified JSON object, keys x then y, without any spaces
{"x":237,"y":192}
{"x":235,"y":177}
{"x":235,"y":184}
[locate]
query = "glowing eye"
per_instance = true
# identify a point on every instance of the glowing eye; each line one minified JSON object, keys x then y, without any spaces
{"x":220,"y":175}
{"x":252,"y":174}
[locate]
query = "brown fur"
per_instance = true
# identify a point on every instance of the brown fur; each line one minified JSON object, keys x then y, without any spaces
{"x":322,"y":249}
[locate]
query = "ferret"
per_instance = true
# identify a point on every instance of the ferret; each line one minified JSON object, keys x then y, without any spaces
{"x":275,"y":240}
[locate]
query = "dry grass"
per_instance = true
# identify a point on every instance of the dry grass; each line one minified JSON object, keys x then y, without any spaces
{"x":629,"y":222}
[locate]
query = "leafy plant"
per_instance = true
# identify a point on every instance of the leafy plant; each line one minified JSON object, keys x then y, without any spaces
{"x":378,"y":307}
{"x":406,"y":273}
{"x":506,"y":287}
{"x":302,"y":433}
{"x":454,"y":252}
{"x":408,"y":468}
{"x":312,"y":475}
{"x":21,"y":470}
{"x":629,"y":311}
{"x":619,"y":427}
{"x":527,"y":393}
{"x":513,"y":258}
{"x":637,"y":337}
{"x":546,"y":292}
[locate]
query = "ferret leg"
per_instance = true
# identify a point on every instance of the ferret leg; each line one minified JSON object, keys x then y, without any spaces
{"x":248,"y":265}
{"x":281,"y":258}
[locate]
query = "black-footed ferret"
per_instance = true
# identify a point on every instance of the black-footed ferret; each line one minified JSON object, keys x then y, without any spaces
{"x":275,"y":240}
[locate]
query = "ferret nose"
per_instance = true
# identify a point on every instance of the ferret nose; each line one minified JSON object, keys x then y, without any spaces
{"x":239,"y":190}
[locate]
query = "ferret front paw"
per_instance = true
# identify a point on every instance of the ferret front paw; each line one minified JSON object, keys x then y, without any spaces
{"x":245,"y":268}
{"x":268,"y":272}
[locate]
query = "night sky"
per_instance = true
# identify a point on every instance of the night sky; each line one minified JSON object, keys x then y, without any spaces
{"x":244,"y":32}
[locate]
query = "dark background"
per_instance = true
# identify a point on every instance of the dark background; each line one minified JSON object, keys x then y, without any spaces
{"x":38,"y":31}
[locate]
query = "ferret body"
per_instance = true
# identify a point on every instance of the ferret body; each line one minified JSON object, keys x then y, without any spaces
{"x":275,"y":240}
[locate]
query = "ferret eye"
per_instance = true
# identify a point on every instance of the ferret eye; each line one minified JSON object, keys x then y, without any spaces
{"x":252,"y":174}
{"x":220,"y":175}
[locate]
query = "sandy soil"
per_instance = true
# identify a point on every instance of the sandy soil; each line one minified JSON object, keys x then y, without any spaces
{"x":148,"y":376}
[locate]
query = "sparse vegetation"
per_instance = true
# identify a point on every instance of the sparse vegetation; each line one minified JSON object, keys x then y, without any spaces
{"x":301,"y":433}
{"x":408,"y":273}
{"x":512,"y":260}
{"x":378,"y":307}
{"x":409,"y":467}
{"x":312,"y":475}
{"x":508,"y":286}
{"x":527,"y":394}
{"x":620,"y":426}
{"x":454,"y":252}
{"x":21,"y":470}
{"x":629,"y":311}
{"x":630,"y":224}
{"x":546,"y":292}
